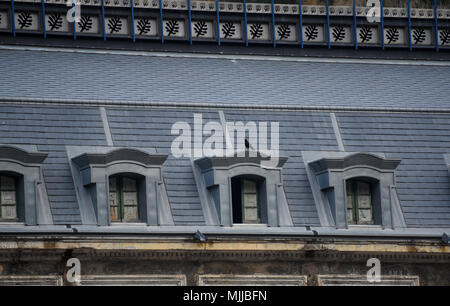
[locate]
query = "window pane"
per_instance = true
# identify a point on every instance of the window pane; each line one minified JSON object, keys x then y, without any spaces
{"x":250,"y":197}
{"x":113,"y":199}
{"x":130,"y":206}
{"x":8,"y":197}
{"x":365,"y":216}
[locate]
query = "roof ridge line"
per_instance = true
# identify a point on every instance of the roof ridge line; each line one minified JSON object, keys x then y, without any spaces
{"x":304,"y":59}
{"x":96,"y":103}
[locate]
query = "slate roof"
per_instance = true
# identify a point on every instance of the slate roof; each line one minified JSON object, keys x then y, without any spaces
{"x":89,"y":76}
{"x":419,"y":139}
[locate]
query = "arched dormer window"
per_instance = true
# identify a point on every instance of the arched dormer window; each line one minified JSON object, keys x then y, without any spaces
{"x":120,"y":185}
{"x":247,"y":199}
{"x":242,"y":190}
{"x":23,"y":197}
{"x":357,"y":189}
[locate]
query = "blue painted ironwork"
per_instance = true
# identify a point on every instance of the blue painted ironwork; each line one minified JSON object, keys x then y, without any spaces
{"x":133,"y":35}
{"x":409,"y":25}
{"x":103,"y":20}
{"x":300,"y":14}
{"x":355,"y":25}
{"x":44,"y":29}
{"x":327,"y":6}
{"x":245,"y":23}
{"x":190,"y":21}
{"x":436,"y":26}
{"x":13,"y":20}
{"x":161,"y":21}
{"x":218,"y":22}
{"x":74,"y":21}
{"x":382,"y":24}
{"x":272,"y":3}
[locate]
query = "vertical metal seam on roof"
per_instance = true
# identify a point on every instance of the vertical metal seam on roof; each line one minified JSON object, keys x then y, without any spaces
{"x":106,"y":127}
{"x":337,"y":132}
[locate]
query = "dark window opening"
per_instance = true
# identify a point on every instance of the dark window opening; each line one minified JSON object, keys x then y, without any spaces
{"x":246,"y":200}
{"x":8,"y":198}
{"x":360,"y":201}
{"x":123,"y":199}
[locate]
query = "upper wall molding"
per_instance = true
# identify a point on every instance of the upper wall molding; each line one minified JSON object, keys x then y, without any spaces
{"x":259,"y":8}
{"x":267,"y":23}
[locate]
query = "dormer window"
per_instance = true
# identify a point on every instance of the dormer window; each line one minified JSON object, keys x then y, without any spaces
{"x":246,"y":200}
{"x":120,"y":185}
{"x":359,"y":202}
{"x":243,"y":190}
{"x":22,"y":193}
{"x":355,"y":189}
{"x":123,"y":199}
{"x":8,"y":198}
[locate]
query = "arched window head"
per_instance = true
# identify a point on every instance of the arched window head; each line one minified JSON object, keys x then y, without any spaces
{"x":246,"y":199}
{"x":9,"y":197}
{"x":124,"y":198}
{"x":360,"y":201}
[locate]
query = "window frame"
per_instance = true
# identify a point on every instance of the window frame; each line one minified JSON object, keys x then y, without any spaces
{"x":214,"y":175}
{"x":258,"y":182}
{"x":328,"y":173}
{"x":17,"y":197}
{"x":91,"y":168}
{"x":119,"y":187}
{"x":355,"y":200}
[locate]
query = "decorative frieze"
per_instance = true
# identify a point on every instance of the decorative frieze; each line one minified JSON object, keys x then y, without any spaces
{"x":341,"y":34}
{"x":367,"y":34}
{"x":26,"y":21}
{"x":421,"y":36}
{"x":56,"y":22}
{"x":230,"y":30}
{"x":88,"y":24}
{"x":286,"y":32}
{"x":258,"y":31}
{"x":315,"y":30}
{"x":174,"y":28}
{"x":202,"y":29}
{"x":394,"y":36}
{"x":313,"y":33}
{"x":4,"y":20}
{"x":145,"y":26}
{"x":115,"y":25}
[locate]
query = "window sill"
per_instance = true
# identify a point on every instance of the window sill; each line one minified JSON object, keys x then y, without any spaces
{"x":128,"y":224}
{"x":244,"y":225}
{"x":360,"y":227}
